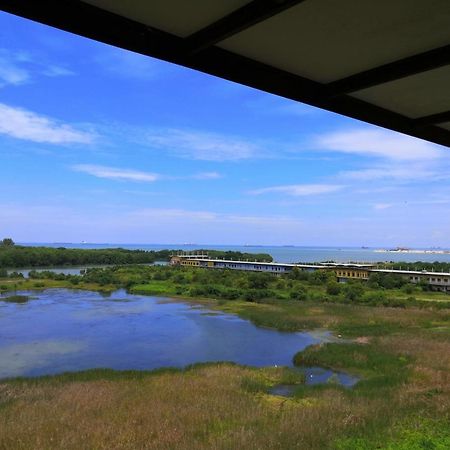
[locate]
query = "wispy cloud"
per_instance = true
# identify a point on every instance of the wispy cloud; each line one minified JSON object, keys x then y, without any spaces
{"x":114,"y":173}
{"x":299,"y":190}
{"x":162,"y":214}
{"x":125,"y":174}
{"x":202,"y":146}
{"x":18,"y":68}
{"x":412,"y":172}
{"x":381,"y":206}
{"x":23,"y":124}
{"x":57,"y":71}
{"x":10,"y":70}
{"x":207,"y":176}
{"x":379,"y":143}
{"x":414,"y":203}
{"x":126,"y":64}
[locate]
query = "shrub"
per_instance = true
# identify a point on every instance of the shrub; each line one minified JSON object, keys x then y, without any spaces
{"x":398,"y":302}
{"x":333,"y":288}
{"x":374,"y":298}
{"x":16,"y":275}
{"x":180,"y":290}
{"x":212,"y":291}
{"x":259,"y":280}
{"x":231,"y":294}
{"x":197,"y":291}
{"x":252,"y":295}
{"x":408,"y":288}
{"x":298,"y":294}
{"x":353,"y":291}
{"x":297,"y":274}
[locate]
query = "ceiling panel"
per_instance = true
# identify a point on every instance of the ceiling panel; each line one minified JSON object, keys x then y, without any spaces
{"x":415,"y":96}
{"x":179,"y":17}
{"x":325,"y":40}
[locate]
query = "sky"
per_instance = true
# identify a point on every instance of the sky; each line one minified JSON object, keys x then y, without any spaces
{"x":102,"y":145}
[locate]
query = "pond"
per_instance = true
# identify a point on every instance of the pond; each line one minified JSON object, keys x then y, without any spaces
{"x":60,"y":330}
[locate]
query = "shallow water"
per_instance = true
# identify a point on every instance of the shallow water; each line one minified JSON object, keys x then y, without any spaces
{"x":62,"y":330}
{"x":313,"y":376}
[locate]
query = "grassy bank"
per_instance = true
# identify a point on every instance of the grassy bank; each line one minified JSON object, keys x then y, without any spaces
{"x":8,"y":285}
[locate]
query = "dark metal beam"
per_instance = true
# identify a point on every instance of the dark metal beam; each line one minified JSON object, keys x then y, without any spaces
{"x":406,"y":67}
{"x":235,"y":22}
{"x":433,"y":119}
{"x":92,"y":22}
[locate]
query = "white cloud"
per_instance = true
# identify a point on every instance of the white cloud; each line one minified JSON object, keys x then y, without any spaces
{"x":57,"y":71}
{"x":381,"y":206}
{"x":118,"y":173}
{"x":11,"y":72}
{"x":207,"y":176}
{"x":23,"y":124}
{"x":18,"y":68}
{"x":300,"y":190}
{"x":379,"y":143}
{"x":414,"y":203}
{"x":393,"y":172}
{"x":114,"y":173}
{"x":202,"y":146}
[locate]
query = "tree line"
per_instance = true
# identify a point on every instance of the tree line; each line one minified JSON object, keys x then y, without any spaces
{"x":18,"y":256}
{"x":226,"y":284}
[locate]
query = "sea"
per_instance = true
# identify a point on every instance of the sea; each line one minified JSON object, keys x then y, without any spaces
{"x":286,"y":254}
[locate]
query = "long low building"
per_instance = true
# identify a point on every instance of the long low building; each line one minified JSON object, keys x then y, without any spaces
{"x":351,"y":271}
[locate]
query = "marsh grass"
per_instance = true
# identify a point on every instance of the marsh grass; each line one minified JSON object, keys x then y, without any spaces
{"x":206,"y":406}
{"x":16,"y":299}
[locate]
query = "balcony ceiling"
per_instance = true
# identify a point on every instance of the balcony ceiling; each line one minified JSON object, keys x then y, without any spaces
{"x":385,"y":62}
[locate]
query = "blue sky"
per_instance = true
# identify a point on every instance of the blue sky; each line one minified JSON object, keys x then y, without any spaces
{"x":102,"y":145}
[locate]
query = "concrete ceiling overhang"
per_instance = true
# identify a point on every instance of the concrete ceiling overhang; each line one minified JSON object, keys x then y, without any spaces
{"x":385,"y":62}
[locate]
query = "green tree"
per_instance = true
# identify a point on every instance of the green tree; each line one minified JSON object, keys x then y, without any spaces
{"x":7,"y":242}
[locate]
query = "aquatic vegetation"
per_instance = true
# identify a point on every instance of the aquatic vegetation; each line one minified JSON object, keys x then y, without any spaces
{"x":16,"y":299}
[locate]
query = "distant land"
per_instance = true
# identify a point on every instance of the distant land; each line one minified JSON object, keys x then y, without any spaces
{"x":287,"y":253}
{"x":433,"y":251}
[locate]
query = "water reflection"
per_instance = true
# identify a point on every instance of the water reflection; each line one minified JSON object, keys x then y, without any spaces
{"x":127,"y":331}
{"x":70,"y":330}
